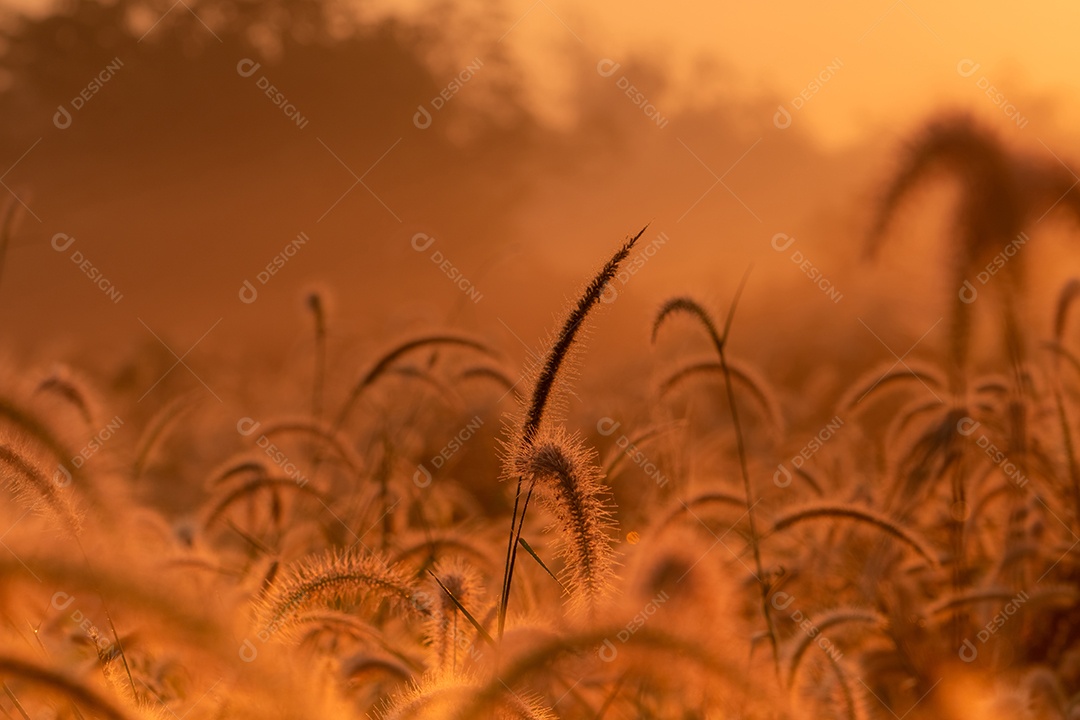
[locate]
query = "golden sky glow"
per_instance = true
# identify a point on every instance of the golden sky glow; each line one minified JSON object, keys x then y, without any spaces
{"x":799,"y":108}
{"x":899,"y":57}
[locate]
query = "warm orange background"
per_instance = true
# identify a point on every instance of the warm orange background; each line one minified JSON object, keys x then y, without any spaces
{"x":179,"y":180}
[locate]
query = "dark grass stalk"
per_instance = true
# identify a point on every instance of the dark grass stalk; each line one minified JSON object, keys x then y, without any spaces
{"x":1065,"y":300}
{"x":67,"y":387}
{"x":826,"y":621}
{"x":460,"y":607}
{"x":119,"y":646}
{"x":6,"y":229}
{"x":1063,"y":595}
{"x":250,"y":539}
{"x":382,"y":476}
{"x":862,"y":515}
{"x":754,"y":385}
{"x":315,"y":304}
{"x":383,"y":364}
{"x":646,"y":436}
{"x":1070,"y":454}
{"x":388,"y":359}
{"x":490,"y":373}
{"x":112,"y":627}
{"x":958,"y":540}
{"x":610,"y":699}
{"x":529,"y":549}
{"x":687,"y":305}
{"x":325,"y":435}
{"x":430,"y":546}
{"x":156,"y":428}
{"x":541,"y":393}
{"x":1016,"y":424}
{"x":740,"y":443}
{"x":318,"y":316}
{"x":226,"y":498}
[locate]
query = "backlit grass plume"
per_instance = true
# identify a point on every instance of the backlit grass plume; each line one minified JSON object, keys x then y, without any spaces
{"x":553,"y":361}
{"x":1002,"y":192}
{"x":452,"y":638}
{"x":568,"y":485}
{"x":35,"y":489}
{"x":538,"y":401}
{"x":331,"y":578}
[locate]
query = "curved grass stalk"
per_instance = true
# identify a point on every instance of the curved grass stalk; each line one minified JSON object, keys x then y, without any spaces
{"x":548,"y":651}
{"x":714,"y":498}
{"x":393,"y":355}
{"x":828,"y":620}
{"x":219,"y":504}
{"x":332,"y":577}
{"x":30,"y":483}
{"x":541,"y":393}
{"x":319,"y":431}
{"x":63,"y":383}
{"x":765,"y":398}
{"x":570,"y":488}
{"x":860,"y":515}
{"x":691,"y":307}
{"x":618,"y":456}
{"x":156,"y":428}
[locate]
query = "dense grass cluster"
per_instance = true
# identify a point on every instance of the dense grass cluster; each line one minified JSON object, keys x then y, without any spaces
{"x":920,"y":562}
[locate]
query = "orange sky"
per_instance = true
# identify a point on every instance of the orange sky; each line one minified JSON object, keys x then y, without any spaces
{"x":899,"y":57}
{"x":206,"y":202}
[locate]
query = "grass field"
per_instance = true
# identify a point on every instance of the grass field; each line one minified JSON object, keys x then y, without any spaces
{"x":445,"y":535}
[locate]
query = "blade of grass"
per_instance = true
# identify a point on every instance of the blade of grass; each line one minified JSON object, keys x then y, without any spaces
{"x":468,"y":615}
{"x":528,"y":548}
